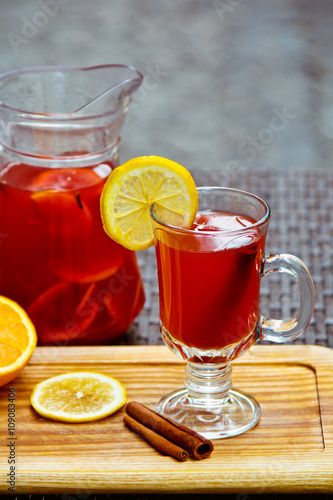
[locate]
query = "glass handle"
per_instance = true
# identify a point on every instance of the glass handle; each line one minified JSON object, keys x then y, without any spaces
{"x":286,"y":330}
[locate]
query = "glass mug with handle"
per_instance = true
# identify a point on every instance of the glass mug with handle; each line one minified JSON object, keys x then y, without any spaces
{"x":209,"y":285}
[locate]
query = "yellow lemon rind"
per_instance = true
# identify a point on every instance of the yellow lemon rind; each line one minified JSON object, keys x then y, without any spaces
{"x":137,"y":167}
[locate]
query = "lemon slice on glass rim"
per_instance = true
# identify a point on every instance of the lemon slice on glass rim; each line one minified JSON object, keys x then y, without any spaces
{"x":132,"y":188}
{"x":78,"y":396}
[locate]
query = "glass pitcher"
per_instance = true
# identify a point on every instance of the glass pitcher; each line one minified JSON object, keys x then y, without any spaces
{"x":59,"y":134}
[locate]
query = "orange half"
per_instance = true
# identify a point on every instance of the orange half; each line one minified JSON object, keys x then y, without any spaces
{"x":18,"y":339}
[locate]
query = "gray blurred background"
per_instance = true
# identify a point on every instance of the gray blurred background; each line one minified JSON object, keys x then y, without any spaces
{"x":228,"y":83}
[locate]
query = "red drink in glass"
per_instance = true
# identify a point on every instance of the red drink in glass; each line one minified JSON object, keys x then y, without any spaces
{"x":77,"y":285}
{"x":209,"y":288}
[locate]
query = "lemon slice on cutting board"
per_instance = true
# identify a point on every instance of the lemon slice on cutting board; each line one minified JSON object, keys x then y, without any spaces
{"x":78,"y":397}
{"x":18,"y":339}
{"x":131,"y":190}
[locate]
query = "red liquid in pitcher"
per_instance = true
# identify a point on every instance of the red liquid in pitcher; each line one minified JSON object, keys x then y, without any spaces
{"x":77,"y":285}
{"x":209,"y":287}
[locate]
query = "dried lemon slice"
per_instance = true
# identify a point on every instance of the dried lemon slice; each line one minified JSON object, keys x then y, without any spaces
{"x":132,"y":188}
{"x":78,"y":397}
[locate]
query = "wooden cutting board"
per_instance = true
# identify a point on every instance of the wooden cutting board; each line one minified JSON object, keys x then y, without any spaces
{"x":290,"y":450}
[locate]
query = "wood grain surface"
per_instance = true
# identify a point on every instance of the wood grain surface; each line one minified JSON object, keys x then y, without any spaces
{"x":290,"y":450}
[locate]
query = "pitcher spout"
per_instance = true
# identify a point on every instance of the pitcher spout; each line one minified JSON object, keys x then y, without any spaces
{"x":115,"y":84}
{"x":48,"y":112}
{"x":93,"y":90}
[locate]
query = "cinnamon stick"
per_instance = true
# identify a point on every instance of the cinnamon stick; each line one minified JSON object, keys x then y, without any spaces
{"x":165,"y":429}
{"x":157,"y":441}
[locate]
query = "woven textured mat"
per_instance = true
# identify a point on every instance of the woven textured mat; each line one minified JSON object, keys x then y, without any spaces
{"x":301,"y":224}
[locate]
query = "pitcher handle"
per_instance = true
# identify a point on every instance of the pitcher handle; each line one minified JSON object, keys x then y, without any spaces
{"x":286,"y":330}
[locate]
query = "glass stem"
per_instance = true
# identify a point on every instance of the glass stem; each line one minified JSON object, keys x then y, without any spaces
{"x":208,"y":383}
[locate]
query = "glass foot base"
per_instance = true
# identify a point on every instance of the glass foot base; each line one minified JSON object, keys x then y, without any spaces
{"x":236,"y":413}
